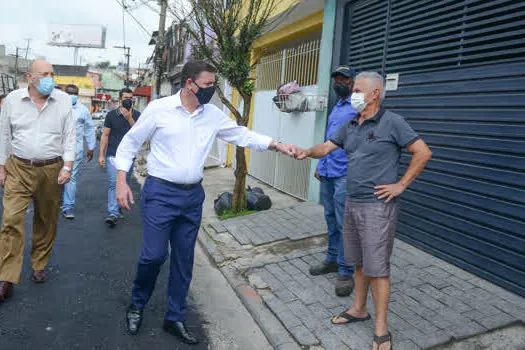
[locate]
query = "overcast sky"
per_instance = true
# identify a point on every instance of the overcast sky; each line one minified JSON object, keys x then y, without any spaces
{"x":22,"y":19}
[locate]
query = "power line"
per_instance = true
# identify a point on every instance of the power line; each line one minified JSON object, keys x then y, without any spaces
{"x":148,"y":32}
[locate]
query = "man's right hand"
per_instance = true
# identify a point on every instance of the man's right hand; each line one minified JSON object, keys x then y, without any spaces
{"x":317,"y":176}
{"x":102,"y":162}
{"x":3,"y":175}
{"x":124,"y":195}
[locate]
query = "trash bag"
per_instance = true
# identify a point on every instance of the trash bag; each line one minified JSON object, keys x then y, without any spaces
{"x":223,"y":202}
{"x":257,"y":200}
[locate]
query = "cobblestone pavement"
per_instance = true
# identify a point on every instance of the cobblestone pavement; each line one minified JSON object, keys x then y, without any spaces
{"x":83,"y":303}
{"x":432,"y":302}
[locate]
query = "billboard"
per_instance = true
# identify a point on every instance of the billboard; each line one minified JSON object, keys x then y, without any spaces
{"x":77,"y":35}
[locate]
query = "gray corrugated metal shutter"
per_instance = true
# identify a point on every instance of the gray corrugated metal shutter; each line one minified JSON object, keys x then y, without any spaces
{"x":462,"y":87}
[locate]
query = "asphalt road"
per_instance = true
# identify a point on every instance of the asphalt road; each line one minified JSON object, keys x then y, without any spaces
{"x":90,"y":274}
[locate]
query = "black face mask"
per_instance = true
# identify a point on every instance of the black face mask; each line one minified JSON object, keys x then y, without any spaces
{"x":342,"y":90}
{"x":204,"y":95}
{"x":127,"y":103}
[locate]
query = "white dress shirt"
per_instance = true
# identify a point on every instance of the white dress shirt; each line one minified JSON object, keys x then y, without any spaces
{"x":37,"y":135}
{"x":181,"y":141}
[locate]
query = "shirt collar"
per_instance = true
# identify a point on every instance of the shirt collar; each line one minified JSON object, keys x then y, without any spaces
{"x":176,"y":101}
{"x":376,"y":118}
{"x":341,"y":102}
{"x":25,"y":94}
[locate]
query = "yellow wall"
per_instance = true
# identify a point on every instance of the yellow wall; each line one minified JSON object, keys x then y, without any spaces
{"x":305,"y":26}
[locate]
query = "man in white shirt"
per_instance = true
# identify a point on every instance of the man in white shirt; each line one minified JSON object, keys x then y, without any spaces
{"x":37,"y":150}
{"x":181,"y":129}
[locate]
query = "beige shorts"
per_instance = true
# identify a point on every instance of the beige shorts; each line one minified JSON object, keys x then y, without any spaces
{"x":369,"y":230}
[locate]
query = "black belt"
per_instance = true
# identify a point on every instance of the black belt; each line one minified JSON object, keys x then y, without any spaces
{"x":39,"y":163}
{"x":173,"y":184}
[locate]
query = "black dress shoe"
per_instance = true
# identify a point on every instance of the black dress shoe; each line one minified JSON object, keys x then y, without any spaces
{"x":178,"y":329}
{"x":133,"y":319}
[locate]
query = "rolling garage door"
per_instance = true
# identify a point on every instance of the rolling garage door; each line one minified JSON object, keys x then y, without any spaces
{"x":461,"y":68}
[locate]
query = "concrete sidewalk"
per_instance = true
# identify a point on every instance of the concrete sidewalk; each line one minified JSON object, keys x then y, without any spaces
{"x":266,"y":257}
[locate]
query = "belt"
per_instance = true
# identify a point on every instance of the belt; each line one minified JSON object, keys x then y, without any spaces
{"x":39,"y":163}
{"x":173,"y":184}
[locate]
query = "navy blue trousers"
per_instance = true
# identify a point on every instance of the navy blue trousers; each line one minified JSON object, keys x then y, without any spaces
{"x":169,"y":216}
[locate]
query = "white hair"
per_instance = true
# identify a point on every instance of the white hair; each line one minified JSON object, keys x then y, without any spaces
{"x":375,"y":78}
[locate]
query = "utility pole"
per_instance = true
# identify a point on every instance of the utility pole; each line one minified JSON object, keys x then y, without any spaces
{"x":16,"y":63}
{"x":160,"y":44}
{"x":27,"y":48}
{"x":127,"y":65}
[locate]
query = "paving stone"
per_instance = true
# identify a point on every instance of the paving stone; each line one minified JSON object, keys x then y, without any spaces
{"x":239,"y":235}
{"x":406,"y":345}
{"x":284,"y":294}
{"x":303,"y":336}
{"x":466,"y":329}
{"x":433,"y":291}
{"x":398,"y":323}
{"x":219,"y":227}
{"x":453,"y":316}
{"x":311,"y":260}
{"x":436,"y":271}
{"x":320,"y":311}
{"x":281,"y":310}
{"x":496,"y":321}
{"x":270,"y":279}
{"x":453,"y":291}
{"x":350,"y":338}
{"x":455,"y":304}
{"x":307,"y":317}
{"x":509,"y":308}
{"x":278,"y":272}
{"x":474,"y":315}
{"x":301,"y":265}
{"x":329,"y":340}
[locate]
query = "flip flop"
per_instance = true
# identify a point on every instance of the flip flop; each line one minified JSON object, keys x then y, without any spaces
{"x":350,"y":319}
{"x":383,"y":339}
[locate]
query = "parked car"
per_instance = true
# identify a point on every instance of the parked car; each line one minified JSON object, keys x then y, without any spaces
{"x":100,"y":114}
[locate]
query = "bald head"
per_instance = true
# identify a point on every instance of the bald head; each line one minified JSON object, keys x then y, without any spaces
{"x":41,"y":66}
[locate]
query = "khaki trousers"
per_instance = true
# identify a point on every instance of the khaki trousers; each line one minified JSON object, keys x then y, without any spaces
{"x":23,"y":184}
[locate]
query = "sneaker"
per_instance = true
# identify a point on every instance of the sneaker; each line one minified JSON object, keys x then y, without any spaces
{"x":344,"y":286}
{"x":68,"y":214}
{"x":111,"y":221}
{"x":324,"y":268}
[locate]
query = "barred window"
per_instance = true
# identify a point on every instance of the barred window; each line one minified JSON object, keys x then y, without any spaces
{"x":298,"y":63}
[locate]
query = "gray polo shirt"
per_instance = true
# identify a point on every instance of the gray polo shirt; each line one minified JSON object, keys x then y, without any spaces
{"x":374,"y":150}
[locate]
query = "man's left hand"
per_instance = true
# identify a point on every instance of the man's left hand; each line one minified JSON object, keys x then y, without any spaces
{"x":287,"y":149}
{"x":89,"y":155}
{"x":389,"y":191}
{"x":63,"y":177}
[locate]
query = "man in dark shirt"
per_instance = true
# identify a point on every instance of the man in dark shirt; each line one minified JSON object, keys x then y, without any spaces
{"x":373,"y":141}
{"x":116,"y":125}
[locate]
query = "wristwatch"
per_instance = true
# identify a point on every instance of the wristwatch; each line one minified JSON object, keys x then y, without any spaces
{"x":66,"y":168}
{"x":274,"y":145}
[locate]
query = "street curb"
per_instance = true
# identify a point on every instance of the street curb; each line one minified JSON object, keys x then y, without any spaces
{"x":275,"y":332}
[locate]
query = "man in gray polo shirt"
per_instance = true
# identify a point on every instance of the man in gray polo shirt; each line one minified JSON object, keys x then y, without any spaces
{"x":373,"y":141}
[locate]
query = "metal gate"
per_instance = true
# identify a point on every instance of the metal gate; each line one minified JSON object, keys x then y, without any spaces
{"x":461,"y":68}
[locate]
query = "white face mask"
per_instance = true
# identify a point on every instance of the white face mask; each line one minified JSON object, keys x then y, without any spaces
{"x":358,"y":101}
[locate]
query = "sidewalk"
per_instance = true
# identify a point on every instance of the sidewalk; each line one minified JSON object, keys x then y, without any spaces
{"x":266,"y":257}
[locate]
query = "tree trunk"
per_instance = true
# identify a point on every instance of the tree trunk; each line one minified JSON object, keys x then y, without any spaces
{"x":239,"y":190}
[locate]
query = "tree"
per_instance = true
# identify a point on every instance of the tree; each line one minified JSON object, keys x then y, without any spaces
{"x":223,"y":34}
{"x":103,"y":64}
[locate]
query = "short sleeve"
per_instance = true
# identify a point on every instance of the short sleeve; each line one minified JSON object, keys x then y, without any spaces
{"x":340,"y":135}
{"x":403,"y":132}
{"x":108,"y":120}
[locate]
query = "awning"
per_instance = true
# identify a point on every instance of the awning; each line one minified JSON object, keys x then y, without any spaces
{"x":144,"y":91}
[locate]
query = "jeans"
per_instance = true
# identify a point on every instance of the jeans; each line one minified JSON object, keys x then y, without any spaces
{"x":170,"y":217}
{"x":333,"y":195}
{"x":111,"y":171}
{"x":70,"y":189}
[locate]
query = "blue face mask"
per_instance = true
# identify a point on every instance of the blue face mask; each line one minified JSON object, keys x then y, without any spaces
{"x":74,"y":99}
{"x":46,"y":86}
